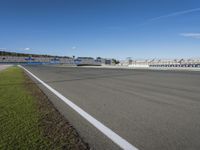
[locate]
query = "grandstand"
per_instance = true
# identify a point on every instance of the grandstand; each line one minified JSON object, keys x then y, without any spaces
{"x":10,"y":57}
{"x":192,"y":62}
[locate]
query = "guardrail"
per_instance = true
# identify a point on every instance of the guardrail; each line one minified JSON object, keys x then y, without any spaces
{"x":177,"y":65}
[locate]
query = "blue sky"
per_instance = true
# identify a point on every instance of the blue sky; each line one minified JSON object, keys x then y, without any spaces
{"x":106,"y":28}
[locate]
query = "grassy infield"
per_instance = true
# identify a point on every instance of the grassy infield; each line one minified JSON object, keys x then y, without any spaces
{"x":23,"y":123}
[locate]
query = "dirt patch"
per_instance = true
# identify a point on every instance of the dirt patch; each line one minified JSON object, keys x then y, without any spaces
{"x":54,"y":127}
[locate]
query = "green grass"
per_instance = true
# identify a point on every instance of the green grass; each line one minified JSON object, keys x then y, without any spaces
{"x":19,"y":118}
{"x":28,"y":120}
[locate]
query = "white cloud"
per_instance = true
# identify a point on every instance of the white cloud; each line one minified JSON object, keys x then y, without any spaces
{"x":178,"y":13}
{"x":192,"y":35}
{"x":27,"y":49}
{"x":74,"y":47}
{"x":3,"y":49}
{"x":114,"y":28}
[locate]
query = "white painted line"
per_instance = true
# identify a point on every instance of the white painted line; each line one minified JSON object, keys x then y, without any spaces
{"x":105,"y":130}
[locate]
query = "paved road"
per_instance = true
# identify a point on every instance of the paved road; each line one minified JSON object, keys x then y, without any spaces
{"x":2,"y":67}
{"x":153,"y":110}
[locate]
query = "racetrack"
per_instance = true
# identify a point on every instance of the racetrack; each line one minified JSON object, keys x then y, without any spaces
{"x":152,"y":110}
{"x":2,"y":67}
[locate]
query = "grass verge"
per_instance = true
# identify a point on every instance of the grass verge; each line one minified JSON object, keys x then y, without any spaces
{"x":28,"y":120}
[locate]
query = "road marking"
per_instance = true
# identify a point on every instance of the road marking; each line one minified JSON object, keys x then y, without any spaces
{"x":105,"y":130}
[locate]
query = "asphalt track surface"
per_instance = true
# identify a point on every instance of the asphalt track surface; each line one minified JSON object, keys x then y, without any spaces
{"x":152,"y":110}
{"x":2,"y":67}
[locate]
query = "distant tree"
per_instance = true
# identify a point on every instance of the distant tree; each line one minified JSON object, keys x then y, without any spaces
{"x":115,"y":61}
{"x":4,"y":53}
